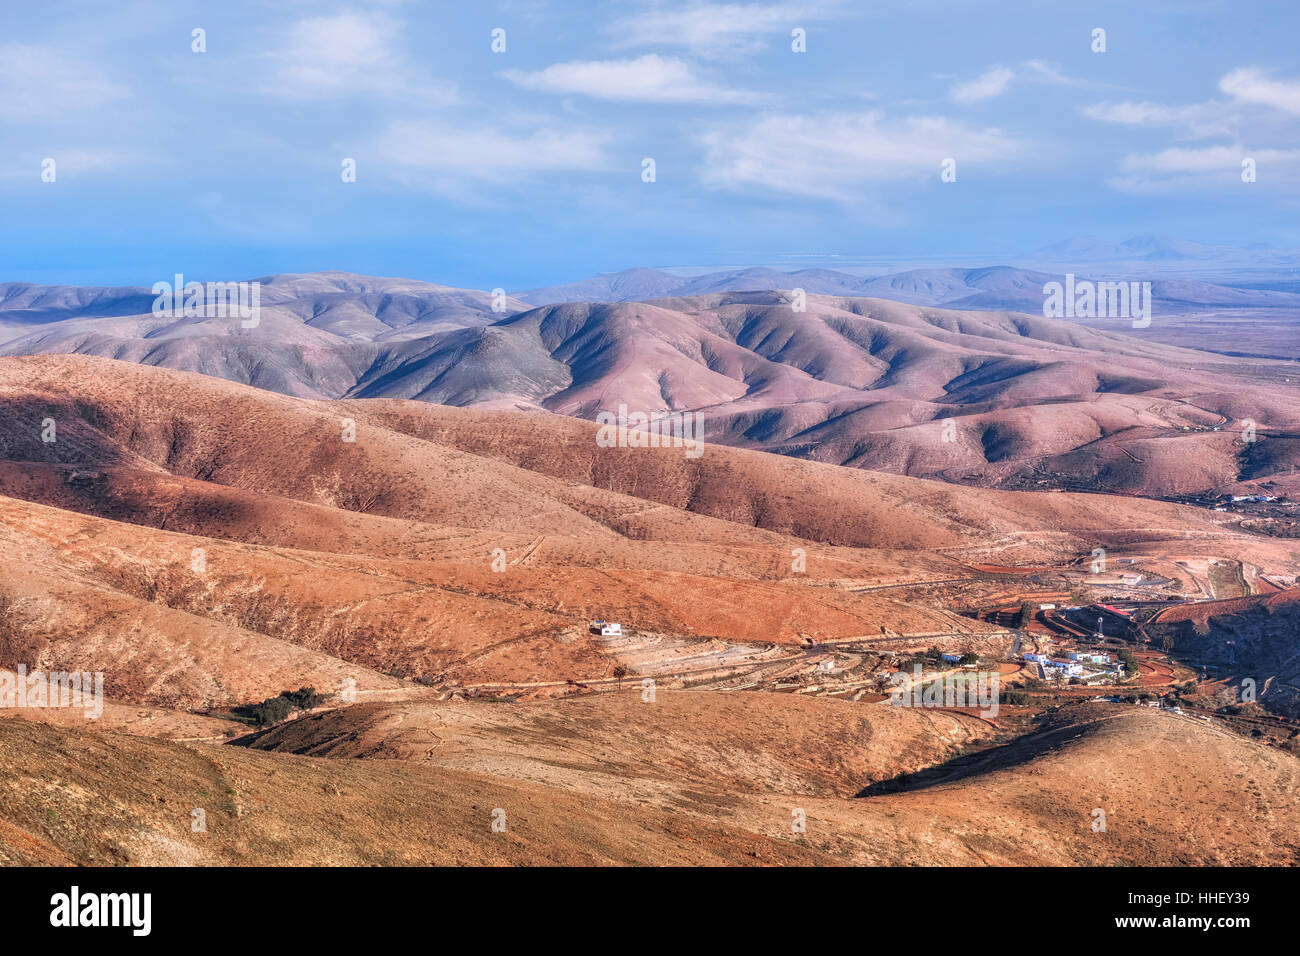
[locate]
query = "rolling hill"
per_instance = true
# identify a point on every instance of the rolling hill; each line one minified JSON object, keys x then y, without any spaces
{"x":991,"y":398}
{"x":421,"y":785}
{"x":432,"y":571}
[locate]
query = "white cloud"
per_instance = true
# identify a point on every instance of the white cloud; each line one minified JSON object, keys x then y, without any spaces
{"x":1182,"y":160}
{"x":830,"y":156}
{"x":1198,"y":119}
{"x":41,"y":82}
{"x":992,"y":82}
{"x":348,"y":54}
{"x":1248,"y":88}
{"x":1250,"y":114}
{"x":650,"y":79}
{"x":1182,"y":169}
{"x":717,"y":29}
{"x":1250,"y":85}
{"x":1051,"y":74}
{"x":445,"y":157}
{"x":997,"y":80}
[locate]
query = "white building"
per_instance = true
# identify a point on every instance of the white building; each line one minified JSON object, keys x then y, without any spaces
{"x":1068,"y":668}
{"x":1089,"y":658}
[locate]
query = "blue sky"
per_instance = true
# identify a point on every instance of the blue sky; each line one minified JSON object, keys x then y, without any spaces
{"x":524,"y":167}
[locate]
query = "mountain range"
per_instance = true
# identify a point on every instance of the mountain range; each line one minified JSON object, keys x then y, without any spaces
{"x":988,"y":287}
{"x":978,"y":396}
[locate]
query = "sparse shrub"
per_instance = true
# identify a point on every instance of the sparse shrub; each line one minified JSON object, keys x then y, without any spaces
{"x":334,"y":491}
{"x":9,"y":623}
{"x":21,"y":639}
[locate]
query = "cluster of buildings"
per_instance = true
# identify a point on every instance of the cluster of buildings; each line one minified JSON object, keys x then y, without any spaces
{"x":1081,"y":664}
{"x":1064,"y":668}
{"x":1222,"y":503}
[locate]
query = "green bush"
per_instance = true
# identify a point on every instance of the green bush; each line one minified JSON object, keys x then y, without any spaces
{"x":273,"y":710}
{"x":304,"y":698}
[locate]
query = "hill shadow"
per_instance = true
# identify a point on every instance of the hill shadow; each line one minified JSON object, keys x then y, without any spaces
{"x":1018,"y":751}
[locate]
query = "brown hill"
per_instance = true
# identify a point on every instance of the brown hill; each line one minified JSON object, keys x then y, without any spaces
{"x":990,"y":398}
{"x":1166,"y":783}
{"x":519,"y":473}
{"x":110,"y":799}
{"x":1256,"y":637}
{"x":448,"y":561}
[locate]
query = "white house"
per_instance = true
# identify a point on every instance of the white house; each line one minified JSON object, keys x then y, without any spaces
{"x":1068,"y":668}
{"x":1089,"y":658}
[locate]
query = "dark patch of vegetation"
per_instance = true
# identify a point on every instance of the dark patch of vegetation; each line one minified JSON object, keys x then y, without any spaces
{"x":273,"y":710}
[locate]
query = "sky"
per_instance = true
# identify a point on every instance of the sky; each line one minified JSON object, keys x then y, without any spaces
{"x":525,"y":164}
